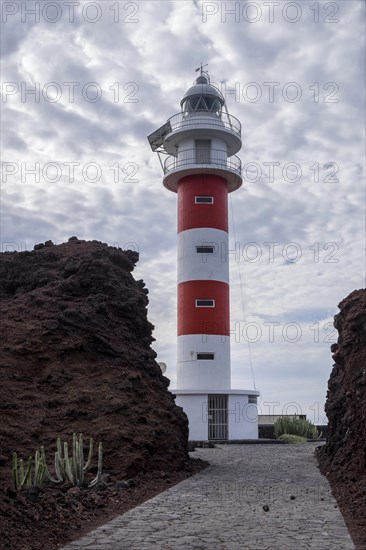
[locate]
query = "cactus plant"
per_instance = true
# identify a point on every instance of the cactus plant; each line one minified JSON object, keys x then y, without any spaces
{"x":67,"y":468}
{"x":72,"y":468}
{"x":39,"y":468}
{"x":97,"y":478}
{"x":22,"y":477}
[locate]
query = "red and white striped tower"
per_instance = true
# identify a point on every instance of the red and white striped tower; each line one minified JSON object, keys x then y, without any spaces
{"x":202,"y":168}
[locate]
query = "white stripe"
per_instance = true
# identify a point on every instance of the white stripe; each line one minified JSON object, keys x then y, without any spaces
{"x":203,"y":374}
{"x":193,"y":266}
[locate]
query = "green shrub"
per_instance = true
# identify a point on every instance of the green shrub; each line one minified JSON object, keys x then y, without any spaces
{"x":293,"y":439}
{"x":295,"y":426}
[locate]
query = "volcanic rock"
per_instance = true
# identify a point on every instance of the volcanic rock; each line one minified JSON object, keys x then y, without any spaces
{"x":343,"y":458}
{"x":76,"y":356}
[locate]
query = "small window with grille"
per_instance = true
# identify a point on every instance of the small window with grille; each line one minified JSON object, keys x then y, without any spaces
{"x":205,"y":303}
{"x":205,"y":356}
{"x":205,"y":249}
{"x":203,"y":200}
{"x":252,"y":399}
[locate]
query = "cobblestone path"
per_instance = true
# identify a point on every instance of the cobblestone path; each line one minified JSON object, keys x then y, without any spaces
{"x":267,"y":497}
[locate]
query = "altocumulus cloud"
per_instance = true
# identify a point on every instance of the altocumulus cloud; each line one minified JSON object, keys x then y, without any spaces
{"x":106,"y":74}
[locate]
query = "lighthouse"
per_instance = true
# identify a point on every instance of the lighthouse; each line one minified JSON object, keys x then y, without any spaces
{"x":197,"y":149}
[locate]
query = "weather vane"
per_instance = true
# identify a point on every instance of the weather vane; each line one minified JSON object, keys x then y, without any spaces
{"x":201,"y":68}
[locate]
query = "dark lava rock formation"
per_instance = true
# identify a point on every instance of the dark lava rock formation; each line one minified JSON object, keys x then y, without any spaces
{"x":343,"y":458}
{"x":76,"y":357}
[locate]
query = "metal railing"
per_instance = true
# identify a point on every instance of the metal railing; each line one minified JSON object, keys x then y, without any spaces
{"x":215,"y":158}
{"x":205,"y":118}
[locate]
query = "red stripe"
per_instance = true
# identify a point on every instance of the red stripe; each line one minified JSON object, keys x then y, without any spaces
{"x":191,"y":215}
{"x":203,"y":320}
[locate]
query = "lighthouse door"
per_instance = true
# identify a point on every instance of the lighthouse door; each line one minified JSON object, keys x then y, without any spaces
{"x":217,"y":417}
{"x":203,"y":151}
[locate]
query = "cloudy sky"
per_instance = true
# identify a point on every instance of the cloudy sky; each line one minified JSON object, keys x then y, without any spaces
{"x":84,"y":83}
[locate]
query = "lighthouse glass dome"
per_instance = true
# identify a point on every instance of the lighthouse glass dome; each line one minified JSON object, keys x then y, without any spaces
{"x":202,"y":96}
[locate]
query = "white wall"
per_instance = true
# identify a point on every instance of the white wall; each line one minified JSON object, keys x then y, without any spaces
{"x":242,"y":418}
{"x":203,"y":267}
{"x":203,"y":375}
{"x":195,"y":407}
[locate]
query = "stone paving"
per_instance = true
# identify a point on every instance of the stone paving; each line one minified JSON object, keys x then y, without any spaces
{"x":268,"y":497}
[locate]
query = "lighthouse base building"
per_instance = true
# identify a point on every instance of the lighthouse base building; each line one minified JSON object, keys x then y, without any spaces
{"x":216,"y":415}
{"x":201,"y":166}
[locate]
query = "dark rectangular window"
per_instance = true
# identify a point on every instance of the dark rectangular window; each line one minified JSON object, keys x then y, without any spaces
{"x":205,"y":356}
{"x":205,"y":303}
{"x":205,"y":249}
{"x":203,"y":151}
{"x":203,"y":200}
{"x":252,"y":399}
